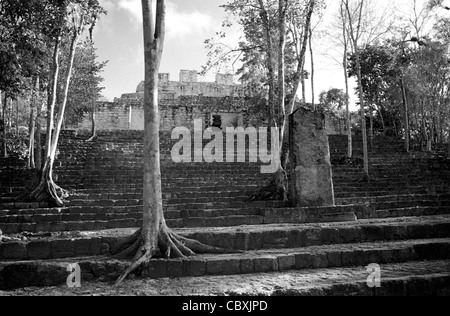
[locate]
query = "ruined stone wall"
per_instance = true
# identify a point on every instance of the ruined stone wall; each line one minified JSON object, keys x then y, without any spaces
{"x":181,"y":111}
{"x":183,"y":101}
{"x":110,"y":116}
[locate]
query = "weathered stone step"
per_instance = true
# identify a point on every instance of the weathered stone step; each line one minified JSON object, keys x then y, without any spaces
{"x":394,"y":198}
{"x":82,"y":218}
{"x":245,"y":238}
{"x":180,"y":203}
{"x":23,"y":274}
{"x":424,"y":278}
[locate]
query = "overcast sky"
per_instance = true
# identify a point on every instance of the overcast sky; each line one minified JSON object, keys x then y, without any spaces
{"x":118,"y":37}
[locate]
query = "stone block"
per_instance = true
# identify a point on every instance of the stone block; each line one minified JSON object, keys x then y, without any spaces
{"x":303,"y":261}
{"x":286,"y":262}
{"x":265,"y":264}
{"x":310,"y":152}
{"x":174,"y":268}
{"x":223,"y":266}
{"x":194,"y":267}
{"x":13,"y":251}
{"x":39,"y":250}
{"x":157,"y":269}
{"x":63,"y":249}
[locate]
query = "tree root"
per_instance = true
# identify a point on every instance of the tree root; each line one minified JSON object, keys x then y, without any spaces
{"x":276,"y":190}
{"x":93,"y":137}
{"x":170,"y":246}
{"x":46,"y":191}
{"x":365,"y":179}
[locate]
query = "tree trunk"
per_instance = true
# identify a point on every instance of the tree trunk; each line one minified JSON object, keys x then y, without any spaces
{"x":32,"y":125}
{"x":280,"y":176}
{"x":448,"y":139}
{"x":301,"y":58}
{"x":312,"y":69}
{"x":155,"y":237}
{"x":363,"y":116}
{"x":4,"y":144}
{"x":270,"y":65}
{"x":47,"y":189}
{"x":10,"y":114}
{"x":371,"y":134}
{"x":38,"y":137}
{"x":347,"y":103}
{"x":52,"y":92}
{"x":94,"y":127}
{"x":383,"y":123}
{"x":303,"y":82}
{"x":406,"y":110}
{"x":17,"y":118}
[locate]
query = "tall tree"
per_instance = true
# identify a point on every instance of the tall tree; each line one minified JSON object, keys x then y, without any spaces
{"x":69,"y":18}
{"x":85,"y":86}
{"x":355,"y":18}
{"x":154,"y":238}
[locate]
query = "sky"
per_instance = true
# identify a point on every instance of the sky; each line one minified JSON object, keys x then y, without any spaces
{"x":118,"y":37}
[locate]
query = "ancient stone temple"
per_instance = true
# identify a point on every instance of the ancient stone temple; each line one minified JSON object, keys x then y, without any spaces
{"x":222,"y":102}
{"x":181,"y":102}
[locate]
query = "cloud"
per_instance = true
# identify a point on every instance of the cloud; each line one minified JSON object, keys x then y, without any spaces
{"x":179,"y":24}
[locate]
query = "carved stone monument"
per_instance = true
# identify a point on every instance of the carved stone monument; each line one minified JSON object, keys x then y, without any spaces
{"x":311,"y":173}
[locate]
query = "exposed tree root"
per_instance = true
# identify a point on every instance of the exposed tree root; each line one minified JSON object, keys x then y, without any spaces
{"x":365,"y":179}
{"x":45,"y":190}
{"x":170,"y":246}
{"x":92,"y":138}
{"x":276,"y":190}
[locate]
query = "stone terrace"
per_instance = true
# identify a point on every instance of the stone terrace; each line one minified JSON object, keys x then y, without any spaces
{"x":402,"y":215}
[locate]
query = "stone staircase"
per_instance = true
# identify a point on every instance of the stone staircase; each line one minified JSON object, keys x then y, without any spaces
{"x":403,"y":216}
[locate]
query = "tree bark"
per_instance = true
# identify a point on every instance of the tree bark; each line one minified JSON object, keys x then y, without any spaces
{"x":312,"y":69}
{"x":38,"y":139}
{"x":347,"y":110}
{"x":406,"y":110}
{"x":4,"y":144}
{"x":347,"y":91}
{"x":32,"y":124}
{"x":302,"y":56}
{"x":155,"y":237}
{"x":52,"y":92}
{"x":371,"y":133}
{"x":17,"y":118}
{"x":94,"y":127}
{"x":363,"y":117}
{"x":47,"y":189}
{"x":448,"y":139}
{"x":355,"y":35}
{"x":270,"y":65}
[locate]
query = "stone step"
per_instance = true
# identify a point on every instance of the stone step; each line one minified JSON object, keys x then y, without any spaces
{"x":394,"y":198}
{"x":246,"y":238}
{"x":25,"y":274}
{"x":83,"y":218}
{"x":423,"y":278}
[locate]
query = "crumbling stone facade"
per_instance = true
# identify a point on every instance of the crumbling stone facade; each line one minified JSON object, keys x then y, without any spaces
{"x":183,"y":101}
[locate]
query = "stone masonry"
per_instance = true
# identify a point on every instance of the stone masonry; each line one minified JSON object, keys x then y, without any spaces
{"x":183,"y":101}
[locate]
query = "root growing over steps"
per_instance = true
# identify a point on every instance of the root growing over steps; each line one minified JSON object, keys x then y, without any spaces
{"x":170,"y":246}
{"x":276,"y":190}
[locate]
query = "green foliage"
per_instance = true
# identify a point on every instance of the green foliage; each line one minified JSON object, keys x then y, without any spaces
{"x":84,"y":89}
{"x":333,"y":100}
{"x":17,"y":144}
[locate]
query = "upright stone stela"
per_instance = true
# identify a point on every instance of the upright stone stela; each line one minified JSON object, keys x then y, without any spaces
{"x":311,"y":173}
